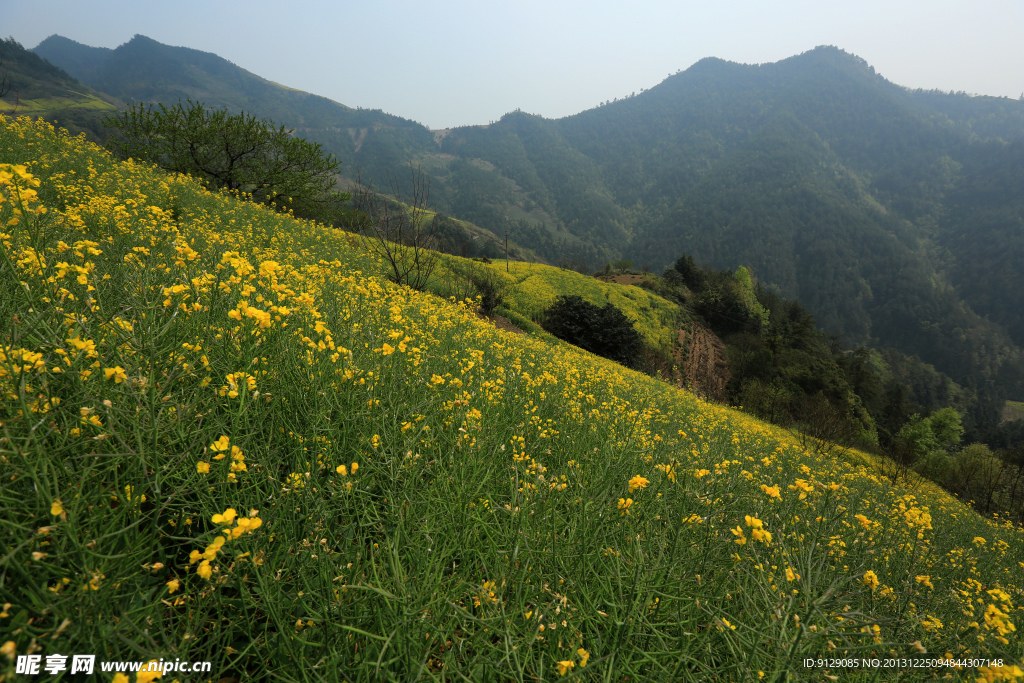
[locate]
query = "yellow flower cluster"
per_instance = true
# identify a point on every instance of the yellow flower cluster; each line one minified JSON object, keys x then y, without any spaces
{"x":242,"y":526}
{"x":21,"y":188}
{"x":221,"y":448}
{"x":637,"y":482}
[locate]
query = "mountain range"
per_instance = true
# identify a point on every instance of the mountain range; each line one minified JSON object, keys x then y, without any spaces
{"x":896,"y":216}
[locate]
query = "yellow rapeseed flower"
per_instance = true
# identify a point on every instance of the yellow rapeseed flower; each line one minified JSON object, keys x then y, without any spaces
{"x":146,"y":674}
{"x":226,"y":518}
{"x":999,"y":673}
{"x":117,"y":373}
{"x":637,"y":482}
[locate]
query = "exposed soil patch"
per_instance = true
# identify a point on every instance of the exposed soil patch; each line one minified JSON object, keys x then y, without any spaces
{"x":705,"y":368}
{"x":502,"y":323}
{"x":358,"y":136}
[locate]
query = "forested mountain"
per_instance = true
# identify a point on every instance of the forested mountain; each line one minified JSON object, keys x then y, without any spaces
{"x":145,"y":70}
{"x":33,"y":86}
{"x":895,"y":216}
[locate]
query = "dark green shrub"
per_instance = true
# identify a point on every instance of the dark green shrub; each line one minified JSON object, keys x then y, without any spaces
{"x":490,"y":287}
{"x":605,"y":331}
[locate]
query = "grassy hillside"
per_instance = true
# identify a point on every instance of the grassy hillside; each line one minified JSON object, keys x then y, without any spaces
{"x":225,"y":438}
{"x":531,"y":288}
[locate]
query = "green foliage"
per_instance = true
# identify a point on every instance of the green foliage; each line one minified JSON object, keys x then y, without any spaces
{"x":604,"y":331}
{"x":727,"y":301}
{"x":688,"y":272}
{"x":916,"y":439}
{"x":238,"y":153}
{"x":748,"y":295}
{"x":947,"y":428}
{"x":921,"y":436}
{"x":28,"y":77}
{"x":782,"y":368}
{"x":490,"y":288}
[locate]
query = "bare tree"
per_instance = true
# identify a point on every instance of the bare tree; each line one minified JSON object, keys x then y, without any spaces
{"x":399,"y":228}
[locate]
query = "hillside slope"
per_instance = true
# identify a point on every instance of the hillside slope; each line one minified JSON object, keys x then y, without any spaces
{"x":224,"y":424}
{"x":874,"y":204}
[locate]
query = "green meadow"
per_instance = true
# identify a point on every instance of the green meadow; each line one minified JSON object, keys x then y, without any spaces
{"x":226,"y":437}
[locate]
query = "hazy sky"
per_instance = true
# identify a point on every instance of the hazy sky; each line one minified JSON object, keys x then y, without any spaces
{"x":455,"y":62}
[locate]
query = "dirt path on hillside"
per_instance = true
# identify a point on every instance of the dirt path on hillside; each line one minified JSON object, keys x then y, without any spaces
{"x":502,"y":323}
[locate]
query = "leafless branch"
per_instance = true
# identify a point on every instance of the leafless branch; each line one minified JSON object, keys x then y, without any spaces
{"x":399,"y":228}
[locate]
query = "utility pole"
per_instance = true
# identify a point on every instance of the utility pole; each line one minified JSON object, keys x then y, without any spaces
{"x":506,"y":250}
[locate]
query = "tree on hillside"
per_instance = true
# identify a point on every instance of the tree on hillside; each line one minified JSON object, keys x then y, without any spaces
{"x":623,"y":266}
{"x":400,"y":228}
{"x":605,"y":331}
{"x":236,"y":152}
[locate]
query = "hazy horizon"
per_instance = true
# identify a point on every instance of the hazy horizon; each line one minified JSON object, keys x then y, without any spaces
{"x":462,"y":63}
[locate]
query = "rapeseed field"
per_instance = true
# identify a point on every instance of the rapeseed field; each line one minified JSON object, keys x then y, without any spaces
{"x":225,"y":437}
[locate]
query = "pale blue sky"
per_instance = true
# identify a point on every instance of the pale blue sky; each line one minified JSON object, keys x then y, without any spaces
{"x":459,"y":62}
